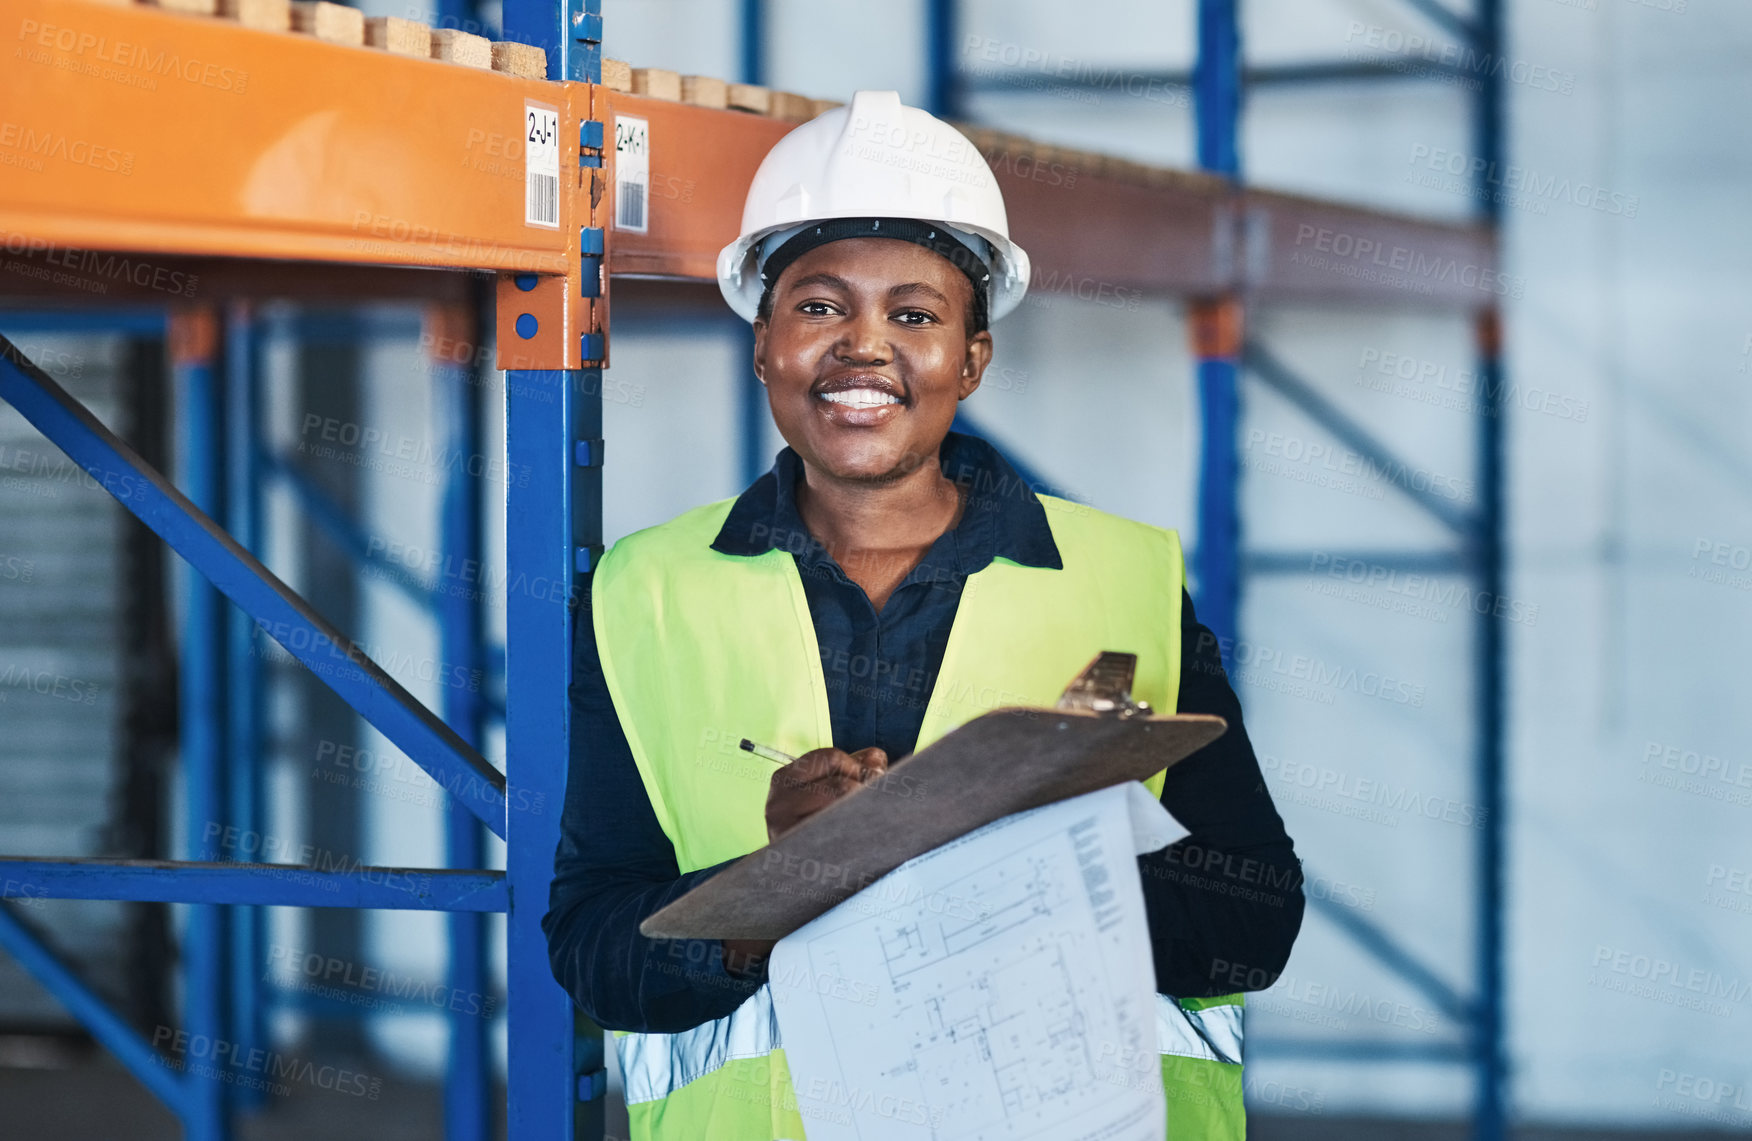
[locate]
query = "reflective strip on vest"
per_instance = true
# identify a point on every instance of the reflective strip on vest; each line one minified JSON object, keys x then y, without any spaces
{"x":653,"y":1066}
{"x":1213,"y":1034}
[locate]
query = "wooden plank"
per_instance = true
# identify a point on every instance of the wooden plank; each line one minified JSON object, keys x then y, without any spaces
{"x":267,"y":15}
{"x":526,"y":61}
{"x":821,"y":106}
{"x":398,"y":36}
{"x":196,"y":7}
{"x":790,"y":105}
{"x":749,"y":97}
{"x":704,"y":91}
{"x":453,"y":45}
{"x":617,"y":75}
{"x":335,"y":23}
{"x":657,"y":83}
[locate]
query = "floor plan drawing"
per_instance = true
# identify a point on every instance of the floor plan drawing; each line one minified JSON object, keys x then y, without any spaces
{"x":1005,"y":993}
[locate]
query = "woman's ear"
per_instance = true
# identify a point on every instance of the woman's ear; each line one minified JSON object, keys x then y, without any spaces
{"x":973,"y":365}
{"x":760,"y":332}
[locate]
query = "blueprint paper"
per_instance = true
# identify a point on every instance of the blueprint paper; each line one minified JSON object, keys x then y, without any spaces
{"x":997,"y":988}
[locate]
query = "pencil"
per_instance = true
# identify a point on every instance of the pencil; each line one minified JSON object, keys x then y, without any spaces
{"x":770,"y":754}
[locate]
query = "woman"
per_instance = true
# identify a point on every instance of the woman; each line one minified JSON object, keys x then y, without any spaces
{"x":886,"y":581}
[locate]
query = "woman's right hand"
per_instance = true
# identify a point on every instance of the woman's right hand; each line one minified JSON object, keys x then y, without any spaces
{"x":815,"y":780}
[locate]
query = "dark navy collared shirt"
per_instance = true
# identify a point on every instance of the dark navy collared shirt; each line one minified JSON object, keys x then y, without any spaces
{"x":1228,"y":894}
{"x":880,"y":667}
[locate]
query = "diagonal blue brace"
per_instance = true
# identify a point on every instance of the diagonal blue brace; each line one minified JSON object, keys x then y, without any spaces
{"x":275,"y":607}
{"x":1354,"y":436}
{"x":271,"y":885}
{"x":1030,"y":476}
{"x":1445,"y":18}
{"x":1396,"y":958}
{"x":109,"y":1028}
{"x":329,"y":515}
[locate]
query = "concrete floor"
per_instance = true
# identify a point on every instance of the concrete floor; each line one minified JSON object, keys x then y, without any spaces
{"x":66,"y":1093}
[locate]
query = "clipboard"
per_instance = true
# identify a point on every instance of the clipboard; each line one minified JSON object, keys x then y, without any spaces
{"x":1006,"y":761}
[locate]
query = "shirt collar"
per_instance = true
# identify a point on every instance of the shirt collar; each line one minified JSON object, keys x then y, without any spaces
{"x":1002,"y":517}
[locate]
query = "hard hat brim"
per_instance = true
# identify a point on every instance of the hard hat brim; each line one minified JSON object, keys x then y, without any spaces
{"x":739,"y":279}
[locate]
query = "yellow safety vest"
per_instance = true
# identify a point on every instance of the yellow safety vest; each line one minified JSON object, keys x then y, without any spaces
{"x":700,"y":649}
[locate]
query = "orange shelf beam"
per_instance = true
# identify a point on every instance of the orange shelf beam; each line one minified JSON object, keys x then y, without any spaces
{"x":133,"y":129}
{"x":1095,"y":228}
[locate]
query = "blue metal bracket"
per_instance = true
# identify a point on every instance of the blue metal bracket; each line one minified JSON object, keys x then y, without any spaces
{"x":592,"y":1085}
{"x":275,"y":607}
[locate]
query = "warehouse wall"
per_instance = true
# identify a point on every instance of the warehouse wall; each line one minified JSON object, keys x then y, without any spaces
{"x":1632,"y":530}
{"x":1629,"y":505}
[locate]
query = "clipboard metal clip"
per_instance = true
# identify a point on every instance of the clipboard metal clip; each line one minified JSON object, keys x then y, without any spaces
{"x":1104,"y":687}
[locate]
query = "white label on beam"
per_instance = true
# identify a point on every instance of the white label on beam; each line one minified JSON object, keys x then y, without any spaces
{"x":632,"y":174}
{"x":541,"y":166}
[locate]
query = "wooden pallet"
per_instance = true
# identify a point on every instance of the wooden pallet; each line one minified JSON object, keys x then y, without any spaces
{"x":339,"y":23}
{"x":1058,"y":163}
{"x":705,"y":91}
{"x":342,"y":24}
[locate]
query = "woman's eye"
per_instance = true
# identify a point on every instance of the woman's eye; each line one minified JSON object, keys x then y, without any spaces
{"x":815,"y":308}
{"x":915,"y":317}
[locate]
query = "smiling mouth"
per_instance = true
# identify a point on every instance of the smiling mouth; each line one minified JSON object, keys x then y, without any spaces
{"x":860,"y":397}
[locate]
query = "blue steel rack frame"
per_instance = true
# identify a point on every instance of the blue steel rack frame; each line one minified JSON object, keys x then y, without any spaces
{"x":1218,"y":83}
{"x":556,"y":1076}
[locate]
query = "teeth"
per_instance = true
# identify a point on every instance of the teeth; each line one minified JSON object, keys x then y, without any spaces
{"x":861,"y":397}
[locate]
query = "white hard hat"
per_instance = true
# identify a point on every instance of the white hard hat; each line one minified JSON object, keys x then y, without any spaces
{"x":874,"y":159}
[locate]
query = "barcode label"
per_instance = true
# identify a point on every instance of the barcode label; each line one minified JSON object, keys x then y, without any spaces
{"x":543,"y":208}
{"x":632,"y":174}
{"x":631,"y":202}
{"x":541,"y":166}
